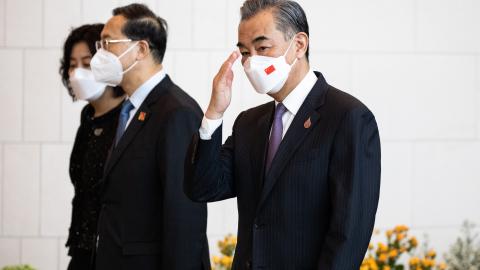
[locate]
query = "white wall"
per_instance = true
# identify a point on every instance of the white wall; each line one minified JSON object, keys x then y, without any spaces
{"x":415,"y":63}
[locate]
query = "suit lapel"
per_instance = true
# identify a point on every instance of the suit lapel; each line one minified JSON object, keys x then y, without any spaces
{"x":139,"y":120}
{"x":259,"y":148}
{"x":304,"y":121}
{"x":133,"y":128}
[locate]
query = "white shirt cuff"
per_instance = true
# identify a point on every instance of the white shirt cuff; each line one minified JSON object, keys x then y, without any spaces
{"x":208,"y":127}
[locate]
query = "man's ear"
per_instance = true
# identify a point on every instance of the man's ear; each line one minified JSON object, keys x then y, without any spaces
{"x":301,"y":44}
{"x":143,"y":50}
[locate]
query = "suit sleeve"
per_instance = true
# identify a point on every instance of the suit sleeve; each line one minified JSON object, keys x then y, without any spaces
{"x":209,"y":168}
{"x":76,"y":143}
{"x":184,"y":222}
{"x":354,"y":183}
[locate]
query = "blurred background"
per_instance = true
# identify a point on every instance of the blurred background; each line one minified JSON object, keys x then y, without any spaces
{"x":415,"y":63}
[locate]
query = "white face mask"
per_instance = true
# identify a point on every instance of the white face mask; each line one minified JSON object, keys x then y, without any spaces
{"x":268,"y":74}
{"x":84,"y":85}
{"x":107,"y":67}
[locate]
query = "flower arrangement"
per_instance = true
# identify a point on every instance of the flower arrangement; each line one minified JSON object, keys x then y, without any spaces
{"x":227,"y":249}
{"x":386,"y":256}
{"x":383,"y":256}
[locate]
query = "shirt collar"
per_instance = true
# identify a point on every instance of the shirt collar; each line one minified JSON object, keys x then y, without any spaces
{"x":298,"y":95}
{"x":142,"y":92}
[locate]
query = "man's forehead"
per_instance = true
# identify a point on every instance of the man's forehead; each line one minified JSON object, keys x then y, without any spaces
{"x":260,"y":25}
{"x":113,"y":27}
{"x":256,"y":29}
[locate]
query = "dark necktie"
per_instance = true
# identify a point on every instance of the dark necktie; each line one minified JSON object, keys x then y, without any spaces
{"x":276,"y":135}
{"x":127,"y":106}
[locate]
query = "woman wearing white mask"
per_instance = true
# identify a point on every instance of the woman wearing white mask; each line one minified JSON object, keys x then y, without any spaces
{"x":92,"y":142}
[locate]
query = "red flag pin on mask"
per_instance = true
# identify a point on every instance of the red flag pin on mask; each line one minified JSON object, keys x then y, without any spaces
{"x":269,"y":70}
{"x":307,"y":123}
{"x":141,"y":116}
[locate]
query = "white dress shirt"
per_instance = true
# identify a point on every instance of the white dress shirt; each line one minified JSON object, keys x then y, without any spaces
{"x":292,"y":102}
{"x":142,"y":92}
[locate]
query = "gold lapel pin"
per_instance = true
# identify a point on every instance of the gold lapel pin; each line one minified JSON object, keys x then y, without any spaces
{"x":141,"y":116}
{"x":307,"y":123}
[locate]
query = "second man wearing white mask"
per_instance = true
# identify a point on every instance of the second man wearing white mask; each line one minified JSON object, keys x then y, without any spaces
{"x":146,"y":221}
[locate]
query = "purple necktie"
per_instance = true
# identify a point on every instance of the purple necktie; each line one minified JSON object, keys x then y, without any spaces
{"x":276,"y":135}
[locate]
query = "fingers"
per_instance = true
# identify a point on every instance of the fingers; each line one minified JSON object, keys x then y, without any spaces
{"x":229,"y":78}
{"x":233,"y":57}
{"x":227,"y":65}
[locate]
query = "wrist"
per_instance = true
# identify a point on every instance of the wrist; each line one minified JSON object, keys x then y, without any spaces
{"x":212,"y":114}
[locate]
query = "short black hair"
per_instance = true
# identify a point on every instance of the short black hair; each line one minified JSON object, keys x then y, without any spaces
{"x":289,"y":16}
{"x":88,"y":33}
{"x":143,"y":24}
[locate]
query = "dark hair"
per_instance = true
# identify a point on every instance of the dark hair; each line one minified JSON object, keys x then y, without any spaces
{"x":143,"y":24}
{"x":88,"y":33}
{"x":289,"y":16}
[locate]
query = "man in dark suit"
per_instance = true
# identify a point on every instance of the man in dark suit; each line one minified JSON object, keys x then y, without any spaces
{"x":146,"y":220}
{"x":305,"y":168}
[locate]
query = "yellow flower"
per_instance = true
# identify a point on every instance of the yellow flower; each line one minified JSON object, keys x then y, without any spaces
{"x":400,"y":228}
{"x":216,"y":259}
{"x":414,"y":261}
{"x":400,"y":237}
{"x":364,"y":264}
{"x":382,"y":258}
{"x":382,"y":248}
{"x":389,"y":233}
{"x":386,"y":267}
{"x":413,"y":241}
{"x":428,"y":262}
{"x":442,"y":266}
{"x":232,"y":241}
{"x":227,"y":261}
{"x":431,"y":254}
{"x":393,"y":253}
{"x":372,"y":263}
{"x":370,"y":246}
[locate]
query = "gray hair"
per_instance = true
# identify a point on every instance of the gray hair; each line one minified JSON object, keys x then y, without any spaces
{"x":290,"y":18}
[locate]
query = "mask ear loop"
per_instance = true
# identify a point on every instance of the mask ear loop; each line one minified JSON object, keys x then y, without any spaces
{"x":130,"y":67}
{"x":289,"y":46}
{"x":294,"y":61}
{"x":125,"y":52}
{"x":285,"y":54}
{"x":129,"y":49}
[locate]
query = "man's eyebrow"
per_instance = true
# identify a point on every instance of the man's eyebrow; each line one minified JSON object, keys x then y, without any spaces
{"x":260,"y":38}
{"x":255,"y":40}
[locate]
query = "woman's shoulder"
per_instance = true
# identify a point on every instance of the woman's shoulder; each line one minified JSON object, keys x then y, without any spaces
{"x":86,"y":113}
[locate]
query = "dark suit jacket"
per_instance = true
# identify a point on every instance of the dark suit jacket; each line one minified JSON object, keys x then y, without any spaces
{"x":146,"y":221}
{"x":315,"y":208}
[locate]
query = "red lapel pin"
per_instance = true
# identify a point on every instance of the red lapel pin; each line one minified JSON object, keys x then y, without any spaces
{"x":141,"y":116}
{"x":307,"y":123}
